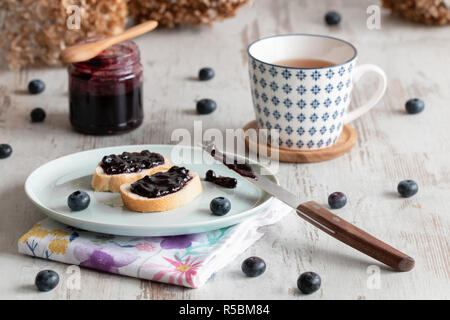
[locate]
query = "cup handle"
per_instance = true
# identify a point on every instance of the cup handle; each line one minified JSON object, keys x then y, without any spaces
{"x":379,"y":92}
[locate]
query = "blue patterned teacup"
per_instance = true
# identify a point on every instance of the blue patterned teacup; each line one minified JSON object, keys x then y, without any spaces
{"x":307,"y":105}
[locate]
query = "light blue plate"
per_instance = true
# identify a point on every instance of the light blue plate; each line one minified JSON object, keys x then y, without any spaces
{"x":49,"y":186}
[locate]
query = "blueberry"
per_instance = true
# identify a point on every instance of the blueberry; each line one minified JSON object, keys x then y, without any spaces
{"x":308,"y":282}
{"x":206,"y":106}
{"x":414,"y":106}
{"x":37,"y":115}
{"x":46,"y":280}
{"x":332,"y":18}
{"x":220,"y":206}
{"x":337,"y":200}
{"x":407,"y":188}
{"x":206,"y":74}
{"x":253,"y":267}
{"x":36,"y":86}
{"x":79,"y":200}
{"x":5,"y":150}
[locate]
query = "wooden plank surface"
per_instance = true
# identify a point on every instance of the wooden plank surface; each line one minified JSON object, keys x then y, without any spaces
{"x":391,"y":146}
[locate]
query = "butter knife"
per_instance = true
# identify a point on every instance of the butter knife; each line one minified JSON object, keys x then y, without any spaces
{"x":326,"y":221}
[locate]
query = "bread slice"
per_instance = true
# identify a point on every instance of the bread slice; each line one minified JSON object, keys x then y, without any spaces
{"x":101,"y":181}
{"x":170,"y":201}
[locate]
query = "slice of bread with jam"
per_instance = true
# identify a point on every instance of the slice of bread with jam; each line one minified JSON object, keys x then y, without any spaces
{"x":162,"y":191}
{"x":115,"y":170}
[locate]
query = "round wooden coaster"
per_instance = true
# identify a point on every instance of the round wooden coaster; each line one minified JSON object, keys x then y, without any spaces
{"x":345,"y":142}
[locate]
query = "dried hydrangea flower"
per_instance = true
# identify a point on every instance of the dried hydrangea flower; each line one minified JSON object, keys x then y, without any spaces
{"x":435,"y":12}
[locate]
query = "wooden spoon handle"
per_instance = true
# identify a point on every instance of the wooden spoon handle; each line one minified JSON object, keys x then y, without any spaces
{"x":133,"y":32}
{"x":355,"y":237}
{"x":86,"y":51}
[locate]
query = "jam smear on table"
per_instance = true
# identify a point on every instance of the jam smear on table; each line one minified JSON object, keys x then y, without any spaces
{"x":131,"y":162}
{"x":226,"y":182}
{"x":161,"y":183}
{"x":244,"y":169}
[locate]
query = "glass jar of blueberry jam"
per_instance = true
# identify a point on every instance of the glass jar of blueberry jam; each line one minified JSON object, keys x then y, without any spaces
{"x":105,"y":92}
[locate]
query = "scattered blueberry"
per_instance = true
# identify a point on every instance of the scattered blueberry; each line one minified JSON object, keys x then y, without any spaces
{"x":206,"y":74}
{"x":5,"y":150}
{"x":36,"y":86}
{"x":220,"y":206}
{"x":337,"y":200}
{"x":37,"y":115}
{"x":332,"y":18}
{"x":79,"y":200}
{"x":206,"y":106}
{"x":407,"y":188}
{"x":414,"y":106}
{"x":308,"y":282}
{"x":46,"y":280}
{"x":253,"y":267}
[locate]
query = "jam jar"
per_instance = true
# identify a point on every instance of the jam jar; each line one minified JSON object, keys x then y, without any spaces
{"x":105,"y":92}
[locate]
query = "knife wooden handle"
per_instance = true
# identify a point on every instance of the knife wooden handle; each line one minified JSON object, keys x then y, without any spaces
{"x":355,"y":237}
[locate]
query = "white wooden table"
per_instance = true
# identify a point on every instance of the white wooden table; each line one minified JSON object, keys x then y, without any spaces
{"x":391,"y":146}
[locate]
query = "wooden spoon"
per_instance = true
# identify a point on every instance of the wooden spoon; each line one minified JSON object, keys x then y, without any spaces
{"x":86,"y":51}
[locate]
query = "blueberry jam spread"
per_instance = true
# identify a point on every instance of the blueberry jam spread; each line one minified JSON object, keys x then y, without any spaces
{"x":161,"y":183}
{"x":244,"y":169}
{"x":131,"y":162}
{"x":225,"y":182}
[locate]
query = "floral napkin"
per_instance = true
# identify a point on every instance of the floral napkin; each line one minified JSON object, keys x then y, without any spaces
{"x":185,"y":260}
